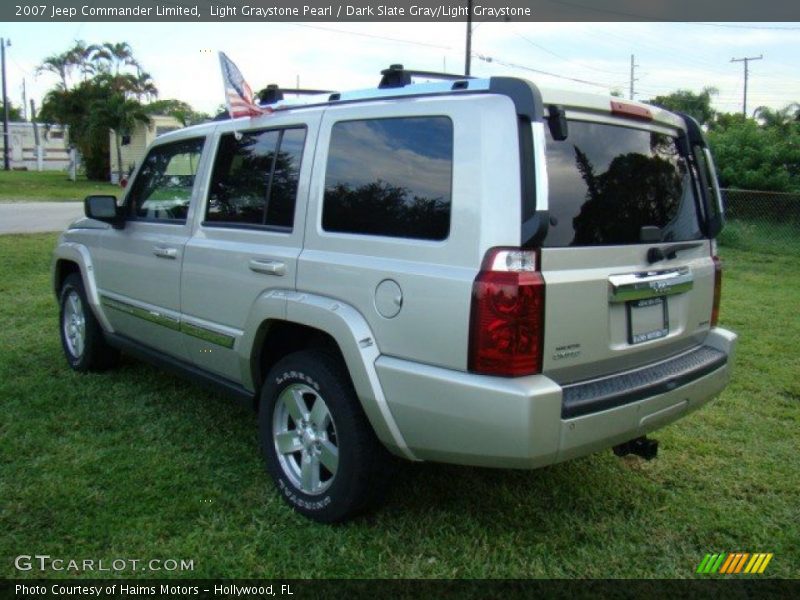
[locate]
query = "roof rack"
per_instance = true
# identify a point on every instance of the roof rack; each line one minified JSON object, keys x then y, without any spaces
{"x":273,"y":93}
{"x":395,"y":83}
{"x":397,"y":76}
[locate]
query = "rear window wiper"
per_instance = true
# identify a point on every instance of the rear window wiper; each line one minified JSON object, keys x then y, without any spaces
{"x":657,"y":254}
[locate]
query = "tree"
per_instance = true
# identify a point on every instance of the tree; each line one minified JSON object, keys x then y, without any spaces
{"x":104,"y":100}
{"x":117,"y":54}
{"x":121,"y":114}
{"x":697,"y":106}
{"x":179,"y":109}
{"x":757,"y":156}
{"x":14,"y":113}
{"x":59,"y":64}
{"x":780,"y":118}
{"x":82,"y":57}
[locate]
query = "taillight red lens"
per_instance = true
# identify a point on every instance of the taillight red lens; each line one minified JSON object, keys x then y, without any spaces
{"x":507,"y":320}
{"x":717,"y":290}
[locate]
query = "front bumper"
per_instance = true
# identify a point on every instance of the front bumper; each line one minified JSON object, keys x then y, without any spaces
{"x":456,"y":417}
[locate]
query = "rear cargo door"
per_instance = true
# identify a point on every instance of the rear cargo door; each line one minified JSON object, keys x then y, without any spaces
{"x":629,"y":272}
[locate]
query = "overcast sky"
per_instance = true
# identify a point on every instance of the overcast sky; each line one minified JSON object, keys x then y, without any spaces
{"x":586,"y":56}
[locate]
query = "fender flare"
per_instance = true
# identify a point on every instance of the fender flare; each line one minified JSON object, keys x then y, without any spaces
{"x":79,"y":254}
{"x":355,"y":340}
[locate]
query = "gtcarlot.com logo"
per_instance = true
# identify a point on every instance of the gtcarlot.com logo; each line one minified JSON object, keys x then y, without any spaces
{"x":45,"y":562}
{"x":734,"y":563}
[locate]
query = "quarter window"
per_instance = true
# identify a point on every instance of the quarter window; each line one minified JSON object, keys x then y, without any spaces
{"x":254,"y":181}
{"x":390,"y":177}
{"x":163,"y":187}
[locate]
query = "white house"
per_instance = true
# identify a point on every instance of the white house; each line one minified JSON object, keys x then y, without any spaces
{"x":22,"y":146}
{"x":135,"y":145}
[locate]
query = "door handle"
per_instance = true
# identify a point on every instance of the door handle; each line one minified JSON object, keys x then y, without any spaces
{"x":649,"y":284}
{"x":268,"y":267}
{"x":165,"y":252}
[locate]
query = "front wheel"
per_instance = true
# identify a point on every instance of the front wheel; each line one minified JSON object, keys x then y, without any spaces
{"x":317,"y":443}
{"x":85,"y":347}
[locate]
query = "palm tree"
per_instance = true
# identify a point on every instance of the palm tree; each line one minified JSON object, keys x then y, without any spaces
{"x":121,"y":114}
{"x":83,"y":57}
{"x":117,"y":54}
{"x":145,"y":86}
{"x":60,"y":64}
{"x":780,"y":118}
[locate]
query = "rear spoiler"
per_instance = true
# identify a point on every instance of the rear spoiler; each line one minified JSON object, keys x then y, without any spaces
{"x":699,"y":155}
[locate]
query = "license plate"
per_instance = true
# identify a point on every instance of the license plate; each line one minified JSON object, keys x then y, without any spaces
{"x":647,"y":320}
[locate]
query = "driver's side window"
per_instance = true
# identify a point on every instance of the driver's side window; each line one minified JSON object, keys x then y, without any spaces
{"x":163,"y":187}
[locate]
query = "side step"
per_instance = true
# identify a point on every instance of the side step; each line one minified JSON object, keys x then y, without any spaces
{"x":641,"y":446}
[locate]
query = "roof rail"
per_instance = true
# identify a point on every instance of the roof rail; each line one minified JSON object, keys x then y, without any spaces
{"x":397,"y":76}
{"x":273,"y":93}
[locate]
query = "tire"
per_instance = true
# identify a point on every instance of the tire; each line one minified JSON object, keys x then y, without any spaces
{"x":82,"y":340}
{"x":318,"y":446}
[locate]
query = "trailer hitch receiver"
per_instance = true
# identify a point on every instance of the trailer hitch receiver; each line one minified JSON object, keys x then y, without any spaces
{"x":642,"y":446}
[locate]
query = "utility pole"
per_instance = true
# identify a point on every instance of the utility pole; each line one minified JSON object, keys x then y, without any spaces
{"x":746,"y":60}
{"x":24,"y":101}
{"x":6,"y":162}
{"x":633,"y":67}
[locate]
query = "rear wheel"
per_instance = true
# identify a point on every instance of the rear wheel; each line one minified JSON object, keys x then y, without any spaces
{"x":82,"y":339}
{"x":317,"y":443}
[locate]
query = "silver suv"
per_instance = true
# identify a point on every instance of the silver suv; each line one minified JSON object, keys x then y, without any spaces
{"x":472,"y":271}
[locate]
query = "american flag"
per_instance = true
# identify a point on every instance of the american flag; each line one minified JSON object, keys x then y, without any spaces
{"x":238,"y":95}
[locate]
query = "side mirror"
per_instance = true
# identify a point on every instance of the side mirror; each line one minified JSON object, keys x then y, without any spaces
{"x":103,"y":208}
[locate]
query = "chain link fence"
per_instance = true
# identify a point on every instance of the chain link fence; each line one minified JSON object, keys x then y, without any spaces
{"x":763,"y":221}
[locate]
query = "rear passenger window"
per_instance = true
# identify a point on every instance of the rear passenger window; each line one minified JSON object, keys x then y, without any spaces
{"x":162,"y":190}
{"x":254,"y":181}
{"x":390,"y":177}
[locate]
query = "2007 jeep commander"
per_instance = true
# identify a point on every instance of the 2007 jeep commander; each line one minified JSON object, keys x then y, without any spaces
{"x":474,"y":271}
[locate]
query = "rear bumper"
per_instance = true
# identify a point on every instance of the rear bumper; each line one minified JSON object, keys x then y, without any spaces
{"x":529,"y":422}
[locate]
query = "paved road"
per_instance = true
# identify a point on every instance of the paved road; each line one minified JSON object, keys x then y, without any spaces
{"x":34,"y":217}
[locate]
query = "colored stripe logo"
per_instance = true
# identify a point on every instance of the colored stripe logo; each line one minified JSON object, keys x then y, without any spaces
{"x":735,"y":562}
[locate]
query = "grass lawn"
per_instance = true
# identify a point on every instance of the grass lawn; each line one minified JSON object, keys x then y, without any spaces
{"x":139,"y":464}
{"x":50,"y":185}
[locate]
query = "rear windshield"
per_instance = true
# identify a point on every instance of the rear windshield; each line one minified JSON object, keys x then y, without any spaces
{"x":606,"y":182}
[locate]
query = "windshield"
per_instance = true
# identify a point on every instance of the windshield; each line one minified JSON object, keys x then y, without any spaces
{"x":606,"y":182}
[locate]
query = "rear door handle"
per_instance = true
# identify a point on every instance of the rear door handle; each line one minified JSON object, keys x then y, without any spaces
{"x":165,"y":252}
{"x":637,"y":286}
{"x":268,"y":267}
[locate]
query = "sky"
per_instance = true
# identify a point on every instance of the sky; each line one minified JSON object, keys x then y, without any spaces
{"x":591,"y":57}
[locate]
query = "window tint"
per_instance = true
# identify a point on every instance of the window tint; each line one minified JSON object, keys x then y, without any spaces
{"x":607,"y":182}
{"x":163,"y":187}
{"x":283,"y":192}
{"x":390,"y":177}
{"x":254,"y":180}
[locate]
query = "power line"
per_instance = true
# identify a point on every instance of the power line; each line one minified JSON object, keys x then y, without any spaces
{"x":569,"y":60}
{"x":490,"y":59}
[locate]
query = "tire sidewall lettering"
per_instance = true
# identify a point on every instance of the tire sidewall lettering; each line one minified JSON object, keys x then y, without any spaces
{"x":289,"y":493}
{"x":298,"y":376}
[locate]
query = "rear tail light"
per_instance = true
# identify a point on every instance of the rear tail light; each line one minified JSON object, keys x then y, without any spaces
{"x":507,"y":320}
{"x":717,"y":290}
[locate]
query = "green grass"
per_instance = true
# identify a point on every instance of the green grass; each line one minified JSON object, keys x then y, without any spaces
{"x":50,"y":185}
{"x":762,"y":236}
{"x":140,"y":464}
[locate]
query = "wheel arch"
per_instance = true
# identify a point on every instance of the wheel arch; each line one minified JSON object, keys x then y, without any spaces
{"x":298,"y":321}
{"x":71,"y":258}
